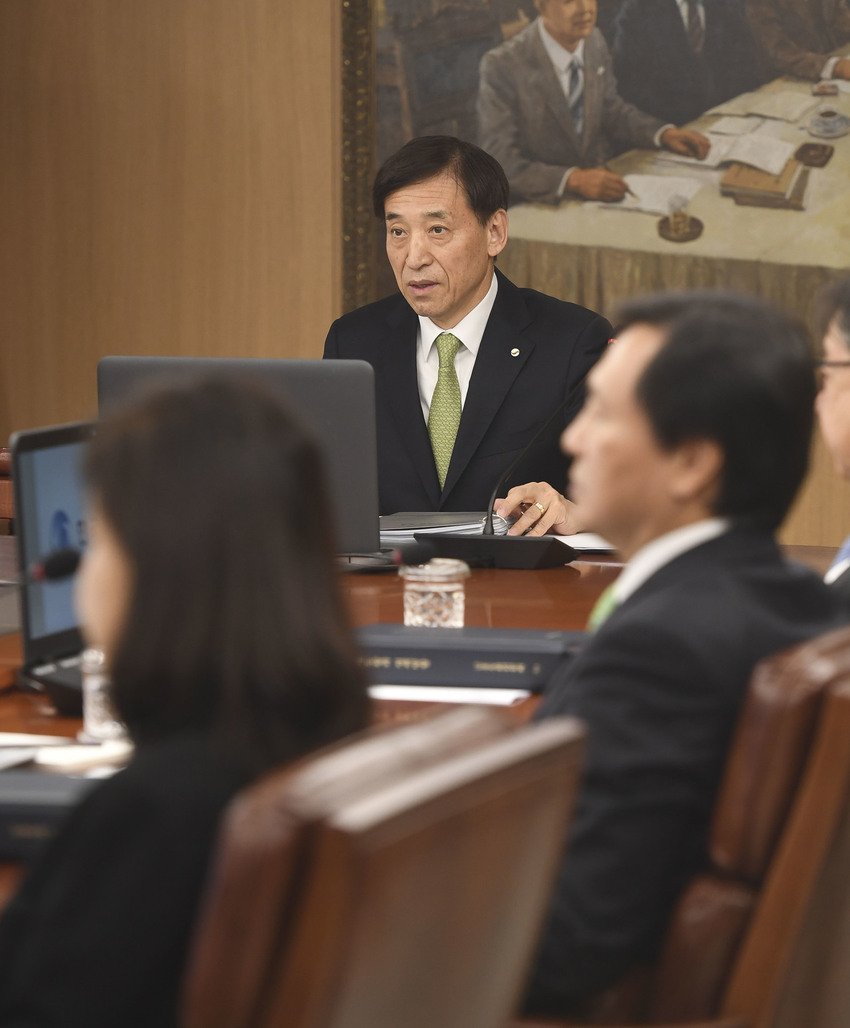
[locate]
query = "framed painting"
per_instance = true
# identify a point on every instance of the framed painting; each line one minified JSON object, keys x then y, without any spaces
{"x":414,"y":67}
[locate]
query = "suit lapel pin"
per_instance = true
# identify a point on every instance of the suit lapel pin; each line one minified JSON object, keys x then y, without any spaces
{"x":514,"y":352}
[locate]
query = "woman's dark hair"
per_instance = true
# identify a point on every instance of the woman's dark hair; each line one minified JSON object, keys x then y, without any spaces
{"x":235,"y":625}
{"x":479,"y":175}
{"x":739,"y":372}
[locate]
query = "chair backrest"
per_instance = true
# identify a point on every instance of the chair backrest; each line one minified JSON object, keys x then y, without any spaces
{"x":743,"y":931}
{"x":274,"y":874}
{"x":265,"y":848}
{"x":437,"y":60}
{"x":426,"y":897}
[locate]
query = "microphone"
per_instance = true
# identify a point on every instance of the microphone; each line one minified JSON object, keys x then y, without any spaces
{"x":419,"y":552}
{"x":521,"y":552}
{"x":56,"y":565}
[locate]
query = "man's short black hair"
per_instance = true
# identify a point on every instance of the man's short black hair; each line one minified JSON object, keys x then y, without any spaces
{"x":739,"y":372}
{"x":480,"y":176}
{"x":833,"y":305}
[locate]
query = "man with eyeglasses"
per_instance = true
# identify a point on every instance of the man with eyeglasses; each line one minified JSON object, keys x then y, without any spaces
{"x":833,"y":404}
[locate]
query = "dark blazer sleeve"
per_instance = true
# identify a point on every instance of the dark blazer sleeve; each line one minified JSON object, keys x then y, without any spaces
{"x":658,"y":729}
{"x":98,"y":933}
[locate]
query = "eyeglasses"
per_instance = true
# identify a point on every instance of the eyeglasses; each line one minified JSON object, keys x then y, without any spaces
{"x":821,"y":366}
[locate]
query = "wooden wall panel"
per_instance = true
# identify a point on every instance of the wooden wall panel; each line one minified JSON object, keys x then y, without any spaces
{"x":169,"y":183}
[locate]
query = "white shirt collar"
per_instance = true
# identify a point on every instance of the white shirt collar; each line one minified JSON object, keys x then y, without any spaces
{"x":469,"y":330}
{"x":663,"y":550}
{"x":559,"y":55}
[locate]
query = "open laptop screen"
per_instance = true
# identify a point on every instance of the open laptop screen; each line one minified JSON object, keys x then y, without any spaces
{"x":50,"y":510}
{"x":336,"y":398}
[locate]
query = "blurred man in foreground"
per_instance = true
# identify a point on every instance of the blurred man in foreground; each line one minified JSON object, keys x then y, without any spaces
{"x":687,"y":454}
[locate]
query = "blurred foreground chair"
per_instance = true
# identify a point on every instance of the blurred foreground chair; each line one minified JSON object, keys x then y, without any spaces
{"x":398,"y":880}
{"x":762,"y":938}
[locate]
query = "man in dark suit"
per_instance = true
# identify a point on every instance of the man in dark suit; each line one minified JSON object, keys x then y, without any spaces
{"x":451,"y":421}
{"x":675,"y":59}
{"x":833,"y":405}
{"x":550,"y":112}
{"x":687,"y":454}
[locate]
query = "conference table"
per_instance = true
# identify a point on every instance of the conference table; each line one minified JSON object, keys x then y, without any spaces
{"x":556,"y":598}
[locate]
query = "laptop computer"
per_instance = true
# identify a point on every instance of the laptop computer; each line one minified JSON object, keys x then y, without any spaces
{"x":336,"y":398}
{"x":50,"y":510}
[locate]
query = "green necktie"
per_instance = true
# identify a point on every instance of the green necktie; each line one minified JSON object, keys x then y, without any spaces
{"x":603,"y":607}
{"x":444,"y":414}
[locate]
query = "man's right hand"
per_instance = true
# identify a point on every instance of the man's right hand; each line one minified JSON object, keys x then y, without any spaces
{"x":597,"y":184}
{"x":842,"y":68}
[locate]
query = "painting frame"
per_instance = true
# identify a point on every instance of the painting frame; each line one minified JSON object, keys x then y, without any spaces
{"x":359,"y":135}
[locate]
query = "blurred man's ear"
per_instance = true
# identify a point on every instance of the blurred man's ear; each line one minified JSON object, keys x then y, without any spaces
{"x":698,"y":469}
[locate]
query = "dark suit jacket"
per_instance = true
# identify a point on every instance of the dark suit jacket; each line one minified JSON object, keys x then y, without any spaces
{"x":524,"y":119}
{"x":797,"y":36}
{"x":658,"y":71}
{"x":659,"y":685}
{"x":509,"y":397}
{"x":97,"y":935}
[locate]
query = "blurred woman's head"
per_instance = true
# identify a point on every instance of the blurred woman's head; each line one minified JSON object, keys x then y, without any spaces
{"x":209,"y":579}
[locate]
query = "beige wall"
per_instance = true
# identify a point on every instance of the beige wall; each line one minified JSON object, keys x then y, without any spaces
{"x":169,"y":183}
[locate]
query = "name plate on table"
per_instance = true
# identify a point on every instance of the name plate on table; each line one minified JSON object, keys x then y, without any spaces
{"x":510,"y":658}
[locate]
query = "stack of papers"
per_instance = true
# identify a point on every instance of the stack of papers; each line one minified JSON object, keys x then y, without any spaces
{"x":587,"y":542}
{"x":398,"y":529}
{"x":758,"y":151}
{"x":735,"y":125}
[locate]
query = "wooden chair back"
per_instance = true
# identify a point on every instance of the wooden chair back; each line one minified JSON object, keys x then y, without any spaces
{"x":762,"y":938}
{"x":427,"y":896}
{"x":783,"y":744}
{"x":382,"y":856}
{"x":265,"y":848}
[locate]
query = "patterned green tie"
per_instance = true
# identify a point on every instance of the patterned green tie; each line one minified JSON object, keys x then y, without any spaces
{"x":603,"y":608}
{"x":444,"y":414}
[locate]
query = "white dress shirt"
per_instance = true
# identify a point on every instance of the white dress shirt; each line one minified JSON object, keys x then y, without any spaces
{"x":469,"y":331}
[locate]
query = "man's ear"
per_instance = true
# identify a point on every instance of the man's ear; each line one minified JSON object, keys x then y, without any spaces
{"x":497,"y":232}
{"x":698,"y":470}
